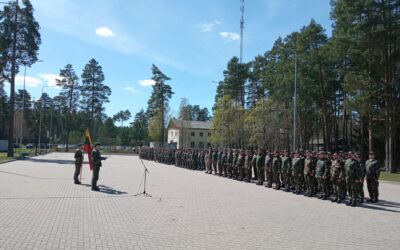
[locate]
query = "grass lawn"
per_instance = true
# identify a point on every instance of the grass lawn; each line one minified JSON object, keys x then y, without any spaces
{"x":17,"y":153}
{"x":389,"y":177}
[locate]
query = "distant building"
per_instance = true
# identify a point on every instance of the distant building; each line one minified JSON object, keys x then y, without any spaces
{"x":189,"y":134}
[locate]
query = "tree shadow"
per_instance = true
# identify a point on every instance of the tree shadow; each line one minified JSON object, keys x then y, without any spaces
{"x":107,"y":190}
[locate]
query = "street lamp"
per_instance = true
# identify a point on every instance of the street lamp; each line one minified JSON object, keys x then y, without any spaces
{"x":40,"y":117}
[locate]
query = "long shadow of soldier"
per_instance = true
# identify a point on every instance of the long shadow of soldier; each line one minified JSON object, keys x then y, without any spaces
{"x":107,"y":190}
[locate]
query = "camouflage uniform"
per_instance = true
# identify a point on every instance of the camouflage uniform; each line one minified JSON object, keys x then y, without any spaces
{"x":268,"y":169}
{"x":215,"y":160}
{"x":338,"y":176}
{"x":247,"y":166}
{"x":352,"y":177}
{"x":309,"y":175}
{"x":241,"y":163}
{"x":276,"y":171}
{"x":78,"y":165}
{"x":96,"y":167}
{"x":260,"y":161}
{"x":286,"y":172}
{"x":372,"y":173}
{"x":360,"y":183}
{"x":298,"y":168}
{"x":321,"y":176}
{"x":230,"y":163}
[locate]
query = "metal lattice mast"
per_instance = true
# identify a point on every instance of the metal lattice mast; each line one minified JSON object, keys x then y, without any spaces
{"x":241,"y":29}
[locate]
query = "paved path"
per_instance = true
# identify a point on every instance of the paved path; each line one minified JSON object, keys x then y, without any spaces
{"x":40,"y":208}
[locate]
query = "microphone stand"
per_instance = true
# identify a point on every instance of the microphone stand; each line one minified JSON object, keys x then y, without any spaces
{"x":144,"y":186}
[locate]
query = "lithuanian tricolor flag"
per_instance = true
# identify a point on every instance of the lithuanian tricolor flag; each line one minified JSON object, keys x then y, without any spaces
{"x":88,"y":148}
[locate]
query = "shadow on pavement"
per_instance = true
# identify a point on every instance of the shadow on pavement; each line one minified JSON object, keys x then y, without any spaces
{"x":107,"y":190}
{"x":33,"y":177}
{"x":52,"y":161}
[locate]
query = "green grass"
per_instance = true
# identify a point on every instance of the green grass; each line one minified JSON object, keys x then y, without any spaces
{"x":389,"y":177}
{"x":17,"y":153}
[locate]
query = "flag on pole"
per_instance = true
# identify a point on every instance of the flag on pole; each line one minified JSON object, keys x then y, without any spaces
{"x":88,"y":148}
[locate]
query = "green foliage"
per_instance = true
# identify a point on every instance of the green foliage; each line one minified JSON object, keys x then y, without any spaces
{"x":155,"y":133}
{"x":228,"y":123}
{"x":192,"y":112}
{"x":28,"y":41}
{"x":122,"y":116}
{"x":93,"y":92}
{"x":161,"y":93}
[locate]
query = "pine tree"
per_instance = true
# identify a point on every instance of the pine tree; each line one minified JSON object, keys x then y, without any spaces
{"x":158,"y":103}
{"x":94,"y":92}
{"x":19,"y":44}
{"x":69,"y":84}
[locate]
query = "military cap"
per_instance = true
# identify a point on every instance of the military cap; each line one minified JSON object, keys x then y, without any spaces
{"x":97,"y":143}
{"x":371,"y":152}
{"x":322,"y":152}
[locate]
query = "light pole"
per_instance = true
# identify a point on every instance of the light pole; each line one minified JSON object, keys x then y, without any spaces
{"x":23,"y":109}
{"x":294,"y":101}
{"x":40,"y":118}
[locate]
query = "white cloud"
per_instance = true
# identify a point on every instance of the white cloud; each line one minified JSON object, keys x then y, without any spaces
{"x":130,"y":88}
{"x":105,"y":32}
{"x":230,"y":36}
{"x":208,"y":26}
{"x":146,"y":83}
{"x":30,"y":81}
{"x":51,"y":79}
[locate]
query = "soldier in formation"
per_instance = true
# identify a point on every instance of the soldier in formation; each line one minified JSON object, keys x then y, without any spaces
{"x":330,"y":176}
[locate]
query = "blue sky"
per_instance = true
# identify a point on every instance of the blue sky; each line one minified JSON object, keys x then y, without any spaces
{"x":191,"y":41}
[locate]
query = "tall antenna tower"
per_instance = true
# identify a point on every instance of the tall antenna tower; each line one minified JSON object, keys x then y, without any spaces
{"x":241,"y":29}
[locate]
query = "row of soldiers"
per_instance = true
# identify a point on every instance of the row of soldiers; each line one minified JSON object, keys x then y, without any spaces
{"x":326,"y":174}
{"x":187,"y":158}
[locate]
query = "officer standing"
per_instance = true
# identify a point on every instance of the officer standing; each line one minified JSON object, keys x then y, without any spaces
{"x":373,"y":172}
{"x":78,"y":163}
{"x":96,"y":165}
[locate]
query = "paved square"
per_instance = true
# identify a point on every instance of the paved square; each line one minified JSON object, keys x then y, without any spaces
{"x":41,"y":208}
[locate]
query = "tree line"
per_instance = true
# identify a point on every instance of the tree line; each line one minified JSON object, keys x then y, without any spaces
{"x":348,"y":88}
